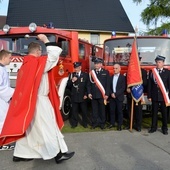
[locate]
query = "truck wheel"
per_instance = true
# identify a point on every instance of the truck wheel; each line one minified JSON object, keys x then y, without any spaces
{"x":66,"y":105}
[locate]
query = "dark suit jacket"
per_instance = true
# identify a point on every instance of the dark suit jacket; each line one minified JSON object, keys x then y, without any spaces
{"x":154,"y":91}
{"x":104,"y":79}
{"x":120,"y":87}
{"x":78,"y":88}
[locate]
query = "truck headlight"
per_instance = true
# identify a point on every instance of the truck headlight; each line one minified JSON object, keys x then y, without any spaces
{"x":6,"y":29}
{"x":32,"y":27}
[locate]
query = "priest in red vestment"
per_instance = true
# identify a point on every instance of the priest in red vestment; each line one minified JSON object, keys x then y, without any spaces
{"x":34,"y":119}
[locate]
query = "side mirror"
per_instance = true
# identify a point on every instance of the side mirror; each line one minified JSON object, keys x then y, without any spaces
{"x":93,"y":50}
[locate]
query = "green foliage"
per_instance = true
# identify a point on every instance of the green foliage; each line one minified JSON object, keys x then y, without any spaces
{"x":158,"y":30}
{"x":157,"y":10}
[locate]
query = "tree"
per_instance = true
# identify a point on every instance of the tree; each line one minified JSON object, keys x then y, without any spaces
{"x":157,"y":10}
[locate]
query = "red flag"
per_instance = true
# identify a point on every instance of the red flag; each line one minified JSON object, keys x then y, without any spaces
{"x":134,"y":72}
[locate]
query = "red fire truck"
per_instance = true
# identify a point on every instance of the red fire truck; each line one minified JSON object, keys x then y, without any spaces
{"x":16,"y":40}
{"x":118,"y":49}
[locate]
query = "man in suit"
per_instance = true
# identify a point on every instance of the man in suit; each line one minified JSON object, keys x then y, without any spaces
{"x":98,"y":92}
{"x":138,"y":113}
{"x":159,"y":78}
{"x":117,"y":88}
{"x":77,"y":83}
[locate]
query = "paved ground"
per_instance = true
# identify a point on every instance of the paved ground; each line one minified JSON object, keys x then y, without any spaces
{"x":105,"y":150}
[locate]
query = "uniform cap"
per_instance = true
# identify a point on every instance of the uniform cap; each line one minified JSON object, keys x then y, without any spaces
{"x":76,"y":64}
{"x":97,"y":60}
{"x":159,"y":57}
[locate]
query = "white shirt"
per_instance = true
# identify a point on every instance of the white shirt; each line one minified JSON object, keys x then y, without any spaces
{"x":115,"y":78}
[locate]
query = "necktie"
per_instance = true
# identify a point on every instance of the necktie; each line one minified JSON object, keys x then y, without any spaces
{"x":159,"y":71}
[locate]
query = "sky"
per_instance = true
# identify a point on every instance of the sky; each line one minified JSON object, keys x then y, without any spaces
{"x":132,"y":10}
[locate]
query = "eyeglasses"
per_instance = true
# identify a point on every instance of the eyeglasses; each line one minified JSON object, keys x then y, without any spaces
{"x":115,"y":68}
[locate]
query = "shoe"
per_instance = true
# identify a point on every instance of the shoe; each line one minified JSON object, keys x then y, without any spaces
{"x":110,"y":126}
{"x":119,"y":128}
{"x":63,"y":156}
{"x":165,"y":132}
{"x":18,"y":159}
{"x":85,"y":126}
{"x":138,"y":129}
{"x":7,"y":147}
{"x":73,"y":126}
{"x":102,"y":127}
{"x":127,"y":127}
{"x":151,"y":131}
{"x":94,"y":126}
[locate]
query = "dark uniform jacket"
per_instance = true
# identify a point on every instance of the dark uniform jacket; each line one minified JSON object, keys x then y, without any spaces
{"x":78,"y":88}
{"x":145,"y":80}
{"x":154,"y":91}
{"x":120,"y":87}
{"x":104,"y":78}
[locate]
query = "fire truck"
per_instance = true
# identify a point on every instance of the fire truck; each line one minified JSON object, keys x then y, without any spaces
{"x":118,"y":50}
{"x":16,"y":40}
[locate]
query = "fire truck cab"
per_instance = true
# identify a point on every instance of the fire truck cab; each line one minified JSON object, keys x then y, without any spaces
{"x":16,"y":40}
{"x":118,"y":50}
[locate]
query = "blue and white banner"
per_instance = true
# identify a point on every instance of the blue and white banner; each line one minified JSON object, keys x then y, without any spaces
{"x":137,"y":92}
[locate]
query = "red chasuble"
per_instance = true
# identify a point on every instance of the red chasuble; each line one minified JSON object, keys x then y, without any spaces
{"x":22,"y":106}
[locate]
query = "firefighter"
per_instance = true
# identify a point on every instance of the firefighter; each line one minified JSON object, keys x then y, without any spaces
{"x":158,"y":89}
{"x":77,"y":83}
{"x":98,"y":92}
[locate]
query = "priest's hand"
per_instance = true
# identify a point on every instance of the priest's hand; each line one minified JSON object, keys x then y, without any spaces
{"x":43,"y":38}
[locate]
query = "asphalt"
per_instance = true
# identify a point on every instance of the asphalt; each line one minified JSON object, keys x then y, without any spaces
{"x":105,"y":150}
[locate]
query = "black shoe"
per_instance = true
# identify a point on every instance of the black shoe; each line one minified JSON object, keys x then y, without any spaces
{"x":151,"y":131}
{"x":85,"y":126}
{"x":73,"y":126}
{"x":18,"y":159}
{"x":138,"y":129}
{"x":127,"y":127}
{"x":119,"y":128}
{"x":102,"y":127}
{"x":63,"y":156}
{"x":94,"y":126}
{"x":165,"y":132}
{"x":111,"y":126}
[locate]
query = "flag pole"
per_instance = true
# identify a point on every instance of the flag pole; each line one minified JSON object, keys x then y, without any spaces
{"x":131,"y":115}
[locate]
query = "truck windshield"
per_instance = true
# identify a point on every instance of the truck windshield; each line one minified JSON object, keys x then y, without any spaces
{"x":19,"y":45}
{"x":118,"y":50}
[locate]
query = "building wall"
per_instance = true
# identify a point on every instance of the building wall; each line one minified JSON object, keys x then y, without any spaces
{"x":2,"y":21}
{"x":102,"y":36}
{"x":87,"y":36}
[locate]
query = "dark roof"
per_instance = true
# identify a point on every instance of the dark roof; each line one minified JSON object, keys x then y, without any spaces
{"x":2,"y":21}
{"x":102,"y":15}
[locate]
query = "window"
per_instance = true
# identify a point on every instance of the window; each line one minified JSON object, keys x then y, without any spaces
{"x":81,"y":51}
{"x":95,"y":38}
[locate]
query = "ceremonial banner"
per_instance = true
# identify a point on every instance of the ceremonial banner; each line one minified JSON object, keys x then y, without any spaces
{"x":134,"y":78}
